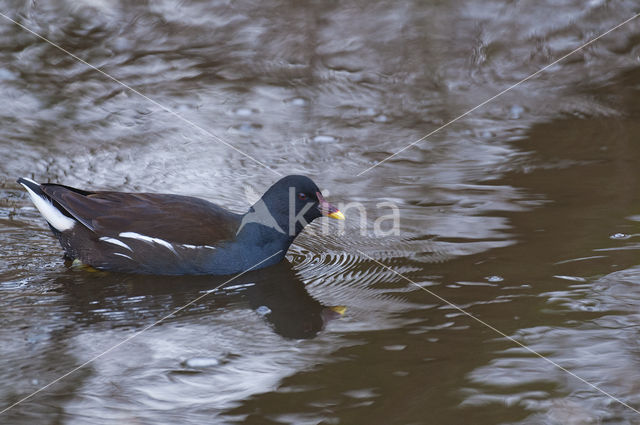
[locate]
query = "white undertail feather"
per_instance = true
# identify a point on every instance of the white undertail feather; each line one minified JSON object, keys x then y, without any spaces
{"x":54,"y":217}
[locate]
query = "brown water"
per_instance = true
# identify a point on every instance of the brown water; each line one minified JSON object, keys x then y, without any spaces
{"x":525,"y":213}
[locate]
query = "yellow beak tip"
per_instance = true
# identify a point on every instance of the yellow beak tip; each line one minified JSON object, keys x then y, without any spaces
{"x":337,"y":215}
{"x":340,"y":309}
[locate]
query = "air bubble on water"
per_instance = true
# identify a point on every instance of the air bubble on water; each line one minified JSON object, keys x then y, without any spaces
{"x":515,"y":112}
{"x":619,"y":236}
{"x":298,"y":101}
{"x":201,"y":362}
{"x":263,"y":310}
{"x":494,"y":278}
{"x":244,"y":112}
{"x":324,"y":139}
{"x":369,"y":112}
{"x":398,"y":347}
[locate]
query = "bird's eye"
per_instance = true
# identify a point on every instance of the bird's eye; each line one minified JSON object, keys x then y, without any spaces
{"x":302,"y":196}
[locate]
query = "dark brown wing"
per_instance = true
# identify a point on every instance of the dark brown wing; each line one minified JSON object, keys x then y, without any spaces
{"x":174,"y":218}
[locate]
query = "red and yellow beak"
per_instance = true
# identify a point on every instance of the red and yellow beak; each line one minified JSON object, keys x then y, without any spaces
{"x":328,"y":209}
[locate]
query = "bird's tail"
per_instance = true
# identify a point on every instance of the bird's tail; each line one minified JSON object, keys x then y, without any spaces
{"x":56,"y":218}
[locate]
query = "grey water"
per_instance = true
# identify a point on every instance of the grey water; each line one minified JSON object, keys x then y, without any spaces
{"x":525,"y":213}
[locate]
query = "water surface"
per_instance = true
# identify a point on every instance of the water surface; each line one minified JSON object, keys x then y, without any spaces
{"x":524,"y":213}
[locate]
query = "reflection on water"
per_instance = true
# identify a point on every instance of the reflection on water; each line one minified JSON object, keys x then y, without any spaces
{"x":508,"y":213}
{"x":219,"y":338}
{"x":279,"y":296}
{"x":597,"y":341}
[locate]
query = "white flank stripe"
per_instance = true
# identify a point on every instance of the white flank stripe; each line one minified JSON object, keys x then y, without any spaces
{"x":116,"y":242}
{"x":149,"y":239}
{"x":50,"y":213}
{"x":184,"y":245}
{"x":122,"y":255}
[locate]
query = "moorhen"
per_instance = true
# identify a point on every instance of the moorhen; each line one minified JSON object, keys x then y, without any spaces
{"x":154,"y":233}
